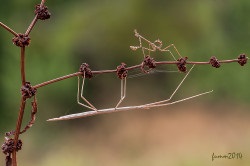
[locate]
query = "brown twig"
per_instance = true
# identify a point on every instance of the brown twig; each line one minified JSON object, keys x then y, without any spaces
{"x":57,"y":79}
{"x":127,"y":68}
{"x":31,"y":26}
{"x":22,"y":65}
{"x":18,"y":127}
{"x":8,"y":29}
{"x":23,"y":40}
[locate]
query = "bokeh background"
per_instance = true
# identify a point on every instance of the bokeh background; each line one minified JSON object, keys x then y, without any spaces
{"x":100,"y":33}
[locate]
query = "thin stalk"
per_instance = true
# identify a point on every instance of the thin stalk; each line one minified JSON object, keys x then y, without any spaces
{"x":32,"y":24}
{"x":57,"y":79}
{"x":220,"y":61}
{"x":8,"y":29}
{"x":42,"y":2}
{"x":128,"y":68}
{"x":22,"y":64}
{"x":18,"y":127}
{"x":22,"y":106}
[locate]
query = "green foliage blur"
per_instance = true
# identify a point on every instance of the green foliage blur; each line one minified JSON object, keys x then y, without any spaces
{"x":100,"y":33}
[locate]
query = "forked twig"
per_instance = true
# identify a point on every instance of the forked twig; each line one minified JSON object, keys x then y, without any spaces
{"x":22,"y":40}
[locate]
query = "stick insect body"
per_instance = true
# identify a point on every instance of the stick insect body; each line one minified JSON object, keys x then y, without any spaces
{"x":152,"y":47}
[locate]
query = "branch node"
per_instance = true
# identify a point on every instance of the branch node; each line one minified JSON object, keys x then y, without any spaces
{"x":27,"y":90}
{"x":9,"y":145}
{"x":42,"y":12}
{"x":182,"y":64}
{"x":242,"y":59}
{"x":214,"y":62}
{"x":149,"y":63}
{"x":121,"y":71}
{"x":22,"y":40}
{"x":84,"y":68}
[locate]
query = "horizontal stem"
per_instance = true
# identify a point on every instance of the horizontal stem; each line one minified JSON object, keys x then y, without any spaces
{"x":57,"y":79}
{"x":221,"y":61}
{"x":128,"y":68}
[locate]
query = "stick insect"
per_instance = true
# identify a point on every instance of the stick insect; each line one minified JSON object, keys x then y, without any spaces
{"x":153,"y":46}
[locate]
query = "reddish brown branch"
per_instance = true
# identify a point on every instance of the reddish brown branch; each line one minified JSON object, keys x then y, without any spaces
{"x":8,"y":29}
{"x":22,"y":65}
{"x":57,"y":79}
{"x":32,"y":24}
{"x":128,"y":68}
{"x":18,"y":127}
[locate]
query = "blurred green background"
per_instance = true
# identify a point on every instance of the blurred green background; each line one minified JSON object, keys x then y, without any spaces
{"x":100,"y":33}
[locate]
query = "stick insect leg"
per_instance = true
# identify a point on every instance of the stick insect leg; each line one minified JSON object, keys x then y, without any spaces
{"x":166,"y":49}
{"x":177,"y":101}
{"x":123,"y":91}
{"x":90,"y":106}
{"x":176,"y":89}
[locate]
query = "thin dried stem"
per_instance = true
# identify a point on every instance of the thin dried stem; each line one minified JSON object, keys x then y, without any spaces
{"x":31,"y":26}
{"x":57,"y":79}
{"x":43,"y":2}
{"x":18,"y":127}
{"x":22,"y":65}
{"x":9,"y":29}
{"x":128,"y":68}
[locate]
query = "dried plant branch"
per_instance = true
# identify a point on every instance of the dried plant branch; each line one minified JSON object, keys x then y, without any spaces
{"x":8,"y":29}
{"x":18,"y":127}
{"x":23,"y":40}
{"x":22,"y":64}
{"x":12,"y":145}
{"x":31,"y":26}
{"x":129,"y":68}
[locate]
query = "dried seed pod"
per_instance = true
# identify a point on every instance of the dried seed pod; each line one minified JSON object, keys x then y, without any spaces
{"x":8,"y":146}
{"x":242,"y":59}
{"x":42,"y":12}
{"x":21,"y":40}
{"x":149,"y":63}
{"x":182,"y":64}
{"x":214,"y":62}
{"x":27,"y":90}
{"x":121,"y":71}
{"x":84,"y":68}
